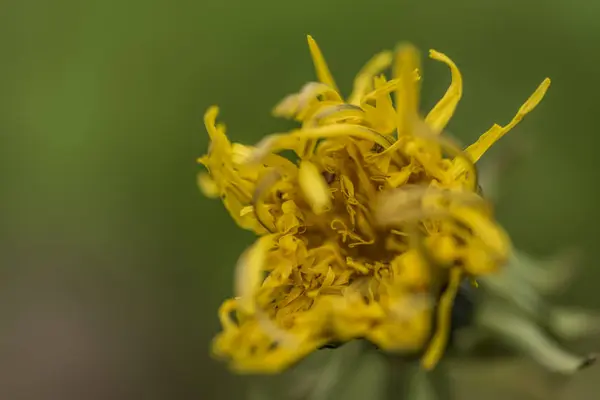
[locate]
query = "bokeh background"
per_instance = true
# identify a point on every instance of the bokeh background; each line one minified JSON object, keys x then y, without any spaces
{"x":112,"y":262}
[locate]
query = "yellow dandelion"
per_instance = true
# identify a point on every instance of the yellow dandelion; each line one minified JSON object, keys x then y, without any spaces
{"x":369,"y":233}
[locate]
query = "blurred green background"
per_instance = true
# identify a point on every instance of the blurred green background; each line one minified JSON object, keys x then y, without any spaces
{"x":113,"y":264}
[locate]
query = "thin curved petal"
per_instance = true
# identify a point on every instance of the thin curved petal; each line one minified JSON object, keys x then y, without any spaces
{"x":441,"y":113}
{"x":438,"y":343}
{"x":485,"y":141}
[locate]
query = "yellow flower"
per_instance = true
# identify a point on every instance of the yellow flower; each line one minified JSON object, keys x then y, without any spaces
{"x":368,"y":233}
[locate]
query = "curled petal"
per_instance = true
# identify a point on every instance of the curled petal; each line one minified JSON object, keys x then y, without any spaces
{"x":298,"y":105}
{"x":439,"y":116}
{"x":337,"y":113}
{"x":217,"y":136}
{"x":249,"y":272}
{"x":294,"y":140}
{"x":444,"y":314}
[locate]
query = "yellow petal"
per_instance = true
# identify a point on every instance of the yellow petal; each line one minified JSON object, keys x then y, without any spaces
{"x":207,"y":185}
{"x":441,"y":113}
{"x":494,"y":237}
{"x":263,"y":186}
{"x":240,"y":153}
{"x":385,"y":107}
{"x":313,"y":90}
{"x":249,"y":273}
{"x":437,"y":346}
{"x":406,"y":70}
{"x":444,"y":247}
{"x":286,"y":108}
{"x":398,"y":178}
{"x":381,"y":116}
{"x":216,"y":134}
{"x":321,"y":68}
{"x":310,"y":99}
{"x":246,"y":211}
{"x":478,"y":260}
{"x":295,"y":139}
{"x":314,"y":187}
{"x":234,"y":205}
{"x":364,"y":80}
{"x":332,"y":114}
{"x":485,"y":141}
{"x":410,"y":269}
{"x":228,"y":306}
{"x":329,"y":278}
{"x":383,"y":88}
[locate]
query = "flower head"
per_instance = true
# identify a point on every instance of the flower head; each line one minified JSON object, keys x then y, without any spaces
{"x":368,"y":233}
